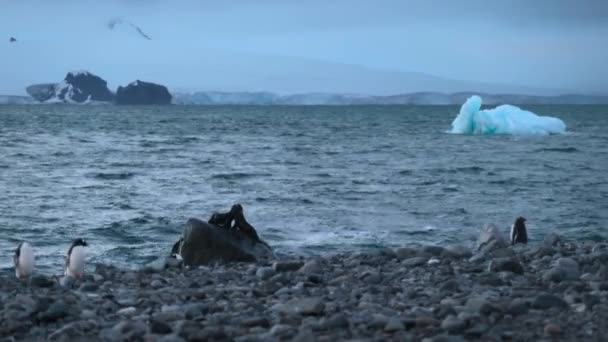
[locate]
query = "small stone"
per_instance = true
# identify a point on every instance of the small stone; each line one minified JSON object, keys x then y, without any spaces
{"x":55,"y":311}
{"x":394,"y":324}
{"x":157,"y":265}
{"x":160,"y":327}
{"x":546,"y":301}
{"x":506,"y":264}
{"x":170,"y":338}
{"x":89,"y":287}
{"x":457,"y":252}
{"x":553,"y":330}
{"x":425,"y":321}
{"x":256,"y":322}
{"x":97,"y":277}
{"x":433,"y":250}
{"x":66,"y":282}
{"x":41,"y":281}
{"x":129,"y":311}
{"x":312,"y":267}
{"x":265,"y":272}
{"x":156,"y":284}
{"x":445,"y":338}
{"x":336,"y":321}
{"x":304,"y":335}
{"x":286,"y":266}
{"x":433,"y":261}
{"x":451,"y":285}
{"x":309,"y":306}
{"x":475,"y":304}
{"x":414,"y":262}
{"x":453,"y":325}
{"x":517,"y":307}
{"x":552,"y":240}
{"x":281,"y":330}
{"x":406,"y":253}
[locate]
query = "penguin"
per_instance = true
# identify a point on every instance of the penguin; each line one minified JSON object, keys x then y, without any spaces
{"x":518,"y":231}
{"x":24,"y":260}
{"x":176,"y":250}
{"x":74,"y":262}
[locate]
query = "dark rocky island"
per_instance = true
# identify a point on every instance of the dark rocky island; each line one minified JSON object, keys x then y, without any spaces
{"x":143,"y":93}
{"x":556,"y":290}
{"x":82,"y":87}
{"x":77,"y":87}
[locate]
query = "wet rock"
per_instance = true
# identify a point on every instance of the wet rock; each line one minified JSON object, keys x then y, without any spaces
{"x":55,"y":311}
{"x":160,"y":327}
{"x":304,"y":335}
{"x":414,"y":262}
{"x":547,"y":301}
{"x":406,"y":253}
{"x":41,"y":281}
{"x":89,"y":287}
{"x":552,"y":240}
{"x":433,"y":250}
{"x":312,"y":267}
{"x":206,"y":243}
{"x":394,"y":324}
{"x":489,"y":233}
{"x":565,"y":269}
{"x":265,"y":272}
{"x":457,"y":252}
{"x":506,"y":264}
{"x":286,"y":266}
{"x":552,"y":330}
{"x":453,"y":325}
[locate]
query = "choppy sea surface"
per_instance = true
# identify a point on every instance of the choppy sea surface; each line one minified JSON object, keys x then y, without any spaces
{"x":311,"y":179}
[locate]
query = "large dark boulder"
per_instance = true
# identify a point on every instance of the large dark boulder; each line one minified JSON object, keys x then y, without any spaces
{"x":205,"y":243}
{"x":143,"y":93}
{"x":77,"y":87}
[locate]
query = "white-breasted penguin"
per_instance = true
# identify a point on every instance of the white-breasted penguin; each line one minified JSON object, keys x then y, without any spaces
{"x":176,"y":250}
{"x":519,"y":234}
{"x":74,"y":261}
{"x":24,"y":260}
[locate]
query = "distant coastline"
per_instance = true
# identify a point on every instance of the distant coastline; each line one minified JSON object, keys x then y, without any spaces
{"x":211,"y":98}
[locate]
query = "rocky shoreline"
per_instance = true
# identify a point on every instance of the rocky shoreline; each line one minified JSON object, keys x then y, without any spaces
{"x":556,"y":290}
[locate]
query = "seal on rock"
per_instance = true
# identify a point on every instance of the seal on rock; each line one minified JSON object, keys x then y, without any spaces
{"x":518,"y":231}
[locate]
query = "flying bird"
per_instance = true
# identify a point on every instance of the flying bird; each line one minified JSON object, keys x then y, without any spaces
{"x":12,"y":40}
{"x":117,"y":21}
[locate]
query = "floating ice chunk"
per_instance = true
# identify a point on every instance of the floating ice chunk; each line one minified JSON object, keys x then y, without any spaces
{"x":505,"y":119}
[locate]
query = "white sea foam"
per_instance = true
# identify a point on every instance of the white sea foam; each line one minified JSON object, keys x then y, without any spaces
{"x":505,"y":119}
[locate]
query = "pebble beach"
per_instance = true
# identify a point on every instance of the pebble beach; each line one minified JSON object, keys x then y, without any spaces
{"x":553,"y":290}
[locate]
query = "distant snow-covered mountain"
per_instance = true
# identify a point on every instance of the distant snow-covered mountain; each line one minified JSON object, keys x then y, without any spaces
{"x":420,"y":98}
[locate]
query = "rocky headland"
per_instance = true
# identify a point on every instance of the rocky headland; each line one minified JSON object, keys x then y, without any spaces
{"x":554,"y":290}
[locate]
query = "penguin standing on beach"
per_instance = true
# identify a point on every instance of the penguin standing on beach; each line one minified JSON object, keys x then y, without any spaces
{"x":24,"y":260}
{"x":176,"y":250}
{"x":74,"y":263}
{"x":518,"y":231}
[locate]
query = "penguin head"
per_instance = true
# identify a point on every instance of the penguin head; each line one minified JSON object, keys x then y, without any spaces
{"x":237,"y":208}
{"x":520,"y":220}
{"x":79,"y":242}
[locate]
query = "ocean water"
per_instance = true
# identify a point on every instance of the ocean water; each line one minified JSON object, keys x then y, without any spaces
{"x":311,"y":179}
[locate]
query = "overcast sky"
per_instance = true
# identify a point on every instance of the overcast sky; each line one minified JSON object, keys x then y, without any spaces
{"x":274,"y":44}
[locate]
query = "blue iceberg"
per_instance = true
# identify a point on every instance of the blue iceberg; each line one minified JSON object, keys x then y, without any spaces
{"x":505,"y":119}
